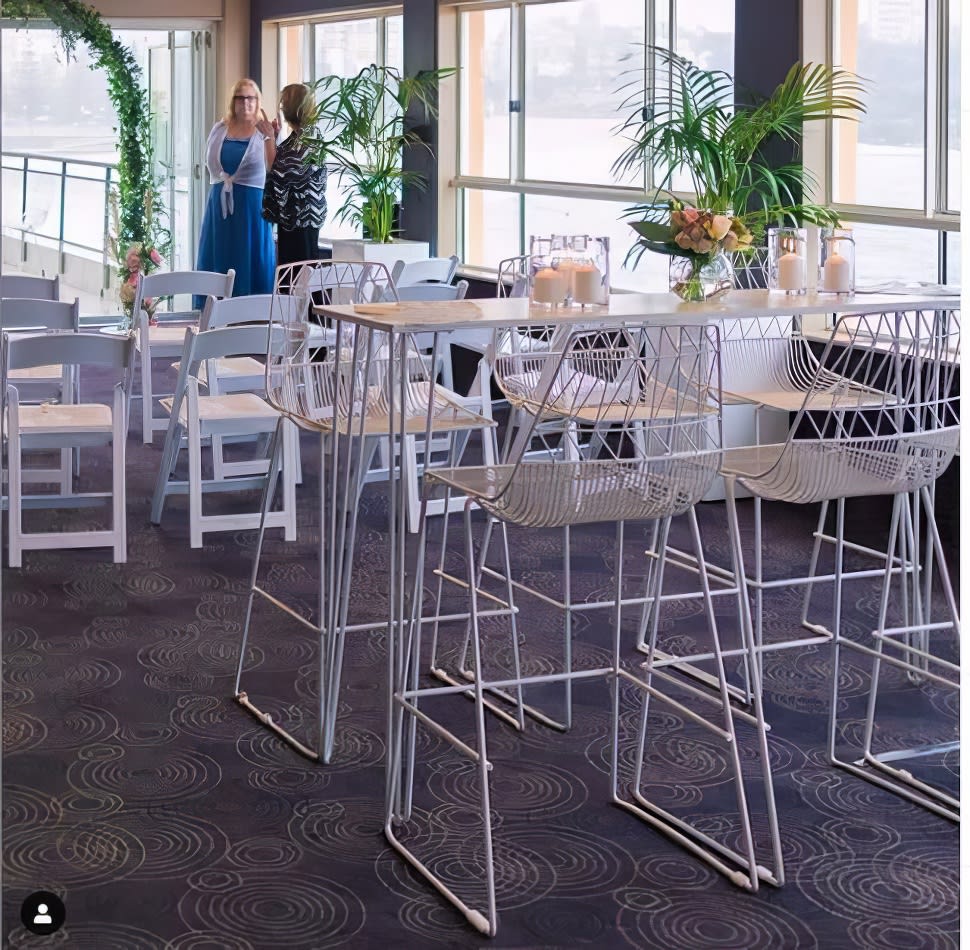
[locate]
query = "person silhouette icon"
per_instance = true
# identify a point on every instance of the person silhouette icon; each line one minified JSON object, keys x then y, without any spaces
{"x":43,"y":913}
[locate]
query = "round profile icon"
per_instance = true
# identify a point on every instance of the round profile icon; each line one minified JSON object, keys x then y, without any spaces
{"x":42,"y":913}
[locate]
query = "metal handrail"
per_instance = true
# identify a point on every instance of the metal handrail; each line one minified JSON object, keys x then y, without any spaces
{"x":23,"y":167}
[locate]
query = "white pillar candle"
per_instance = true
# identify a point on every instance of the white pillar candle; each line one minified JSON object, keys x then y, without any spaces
{"x":566,"y":271}
{"x":548,"y":286}
{"x":835,"y":274}
{"x":791,"y":272}
{"x":587,"y":284}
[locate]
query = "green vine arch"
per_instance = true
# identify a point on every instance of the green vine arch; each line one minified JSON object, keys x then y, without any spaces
{"x":139,"y":202}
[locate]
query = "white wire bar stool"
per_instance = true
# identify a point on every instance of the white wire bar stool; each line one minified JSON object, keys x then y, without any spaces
{"x":345,"y":394}
{"x":657,"y":406}
{"x":891,"y":429}
{"x":771,"y":364}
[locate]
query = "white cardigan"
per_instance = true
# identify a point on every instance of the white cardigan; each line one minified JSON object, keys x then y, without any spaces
{"x":251,"y":170}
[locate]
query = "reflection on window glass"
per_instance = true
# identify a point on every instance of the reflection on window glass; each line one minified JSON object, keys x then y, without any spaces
{"x":705,"y":33}
{"x":491,"y":227}
{"x":549,"y":215}
{"x":953,"y":111}
{"x":574,"y":56}
{"x":893,"y":254}
{"x":292,"y":66}
{"x":879,"y":161}
{"x":394,"y":42}
{"x":484,"y":83}
{"x":344,"y":48}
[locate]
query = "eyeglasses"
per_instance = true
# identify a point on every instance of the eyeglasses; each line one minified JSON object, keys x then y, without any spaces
{"x":245,"y":98}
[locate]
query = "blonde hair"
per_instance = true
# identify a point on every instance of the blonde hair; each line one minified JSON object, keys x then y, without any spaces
{"x":236,"y":86}
{"x":296,"y":104}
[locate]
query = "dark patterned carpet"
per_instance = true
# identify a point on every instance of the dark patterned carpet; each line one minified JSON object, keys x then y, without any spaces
{"x":166,"y":817}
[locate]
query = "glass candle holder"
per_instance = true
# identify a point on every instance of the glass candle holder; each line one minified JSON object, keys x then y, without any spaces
{"x":787,"y":260}
{"x":549,"y":281}
{"x":588,"y":263}
{"x":836,"y":274}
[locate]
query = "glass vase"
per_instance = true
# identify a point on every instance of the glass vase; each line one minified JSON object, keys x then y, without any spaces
{"x":698,"y":279}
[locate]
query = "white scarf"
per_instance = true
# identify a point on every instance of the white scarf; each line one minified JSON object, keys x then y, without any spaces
{"x":251,"y":170}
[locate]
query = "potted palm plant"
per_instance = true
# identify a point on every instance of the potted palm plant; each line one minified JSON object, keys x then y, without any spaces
{"x":688,"y":122}
{"x":358,"y":126}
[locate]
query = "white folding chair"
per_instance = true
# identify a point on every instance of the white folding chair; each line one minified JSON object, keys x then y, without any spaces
{"x":69,"y":425}
{"x":437,"y":270}
{"x":27,"y":285}
{"x":198,"y":418}
{"x":165,"y":339}
{"x":53,"y":383}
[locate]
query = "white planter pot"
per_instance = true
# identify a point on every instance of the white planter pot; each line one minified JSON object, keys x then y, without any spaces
{"x":386,"y":254}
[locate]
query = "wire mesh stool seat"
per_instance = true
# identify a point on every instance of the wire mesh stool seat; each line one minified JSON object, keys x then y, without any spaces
{"x":899,"y":436}
{"x":658,"y":405}
{"x":345,"y":396}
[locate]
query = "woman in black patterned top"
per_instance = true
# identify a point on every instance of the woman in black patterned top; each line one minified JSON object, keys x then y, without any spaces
{"x":294,"y":197}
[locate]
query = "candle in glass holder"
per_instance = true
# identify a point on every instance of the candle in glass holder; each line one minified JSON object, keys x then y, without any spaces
{"x":587,"y":281}
{"x":549,"y":286}
{"x":836,"y":277}
{"x":791,"y":271}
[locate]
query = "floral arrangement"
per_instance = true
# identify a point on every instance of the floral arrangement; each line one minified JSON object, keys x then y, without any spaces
{"x":689,"y":122}
{"x":139,"y":258}
{"x":698,"y":236}
{"x":706,"y":233}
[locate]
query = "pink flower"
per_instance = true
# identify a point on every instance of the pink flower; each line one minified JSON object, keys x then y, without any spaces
{"x":730,"y":241}
{"x":682,"y":239}
{"x":156,"y":258}
{"x":690,"y":215}
{"x":704,"y":245}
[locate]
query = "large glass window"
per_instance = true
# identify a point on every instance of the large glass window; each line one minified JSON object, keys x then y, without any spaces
{"x":543,"y":87}
{"x":486,"y":44}
{"x":575,"y":55}
{"x":344,"y":48}
{"x":953,"y":108}
{"x":901,"y":161}
{"x":880,"y":159}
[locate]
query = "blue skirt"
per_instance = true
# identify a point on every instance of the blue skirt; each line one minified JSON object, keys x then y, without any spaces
{"x":242,"y":241}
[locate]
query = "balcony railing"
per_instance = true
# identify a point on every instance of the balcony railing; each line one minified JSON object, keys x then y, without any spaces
{"x":59,"y":203}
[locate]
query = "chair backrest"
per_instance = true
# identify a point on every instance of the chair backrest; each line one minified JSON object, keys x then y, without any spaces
{"x":433,"y":291}
{"x":198,"y":283}
{"x":881,"y":415}
{"x":70,"y":349}
{"x":322,"y":281}
{"x":17,"y":313}
{"x":437,"y":270}
{"x":513,"y":276}
{"x":230,"y":311}
{"x":655,"y":395}
{"x":26,"y":285}
{"x":200,"y":346}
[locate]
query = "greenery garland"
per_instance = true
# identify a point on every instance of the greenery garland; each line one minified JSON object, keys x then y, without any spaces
{"x":139,"y":201}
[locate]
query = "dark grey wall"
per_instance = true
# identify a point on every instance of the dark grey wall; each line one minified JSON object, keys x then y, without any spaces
{"x":767,"y":43}
{"x":419,"y":207}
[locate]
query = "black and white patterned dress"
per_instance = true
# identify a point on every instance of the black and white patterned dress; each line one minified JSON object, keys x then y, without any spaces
{"x":294,"y":199}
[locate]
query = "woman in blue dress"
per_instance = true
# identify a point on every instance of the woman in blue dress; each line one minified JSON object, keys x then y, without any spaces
{"x":241,"y":146}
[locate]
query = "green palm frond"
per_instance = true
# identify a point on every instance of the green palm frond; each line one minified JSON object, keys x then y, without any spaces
{"x":686,"y":120}
{"x":361,"y":126}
